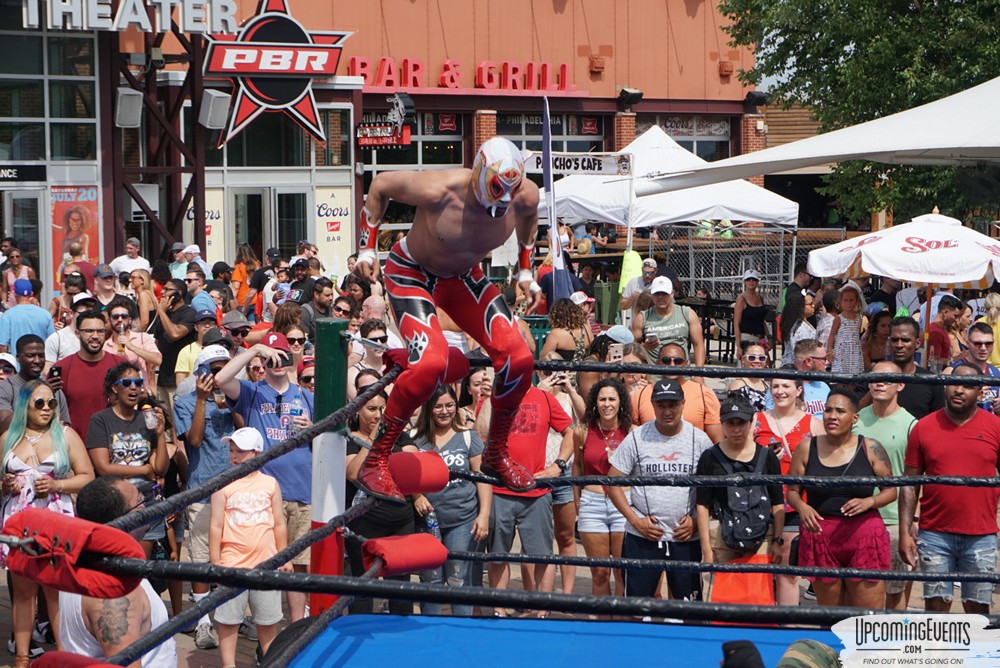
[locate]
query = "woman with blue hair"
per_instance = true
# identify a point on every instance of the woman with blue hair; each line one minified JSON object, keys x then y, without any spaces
{"x":43,"y":464}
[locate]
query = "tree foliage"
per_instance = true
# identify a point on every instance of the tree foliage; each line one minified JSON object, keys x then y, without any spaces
{"x":851,"y":61}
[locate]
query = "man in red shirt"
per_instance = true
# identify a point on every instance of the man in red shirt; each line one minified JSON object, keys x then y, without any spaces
{"x":530,"y":512}
{"x":958,"y":525}
{"x":83,"y":374}
{"x":949,"y":309}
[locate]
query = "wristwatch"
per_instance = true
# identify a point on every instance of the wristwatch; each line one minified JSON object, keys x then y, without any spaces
{"x":779,"y":540}
{"x":562,"y":464}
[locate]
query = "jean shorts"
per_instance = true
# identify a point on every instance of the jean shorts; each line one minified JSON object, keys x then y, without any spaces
{"x":598,"y":514}
{"x":561,"y":495}
{"x":942,"y":552}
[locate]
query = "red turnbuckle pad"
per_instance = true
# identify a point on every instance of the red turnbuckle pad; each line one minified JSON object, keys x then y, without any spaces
{"x":419,"y":472}
{"x":405,"y":554}
{"x":69,"y":660}
{"x":59,"y":543}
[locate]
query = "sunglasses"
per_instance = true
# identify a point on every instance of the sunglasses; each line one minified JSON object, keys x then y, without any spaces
{"x":129,"y":382}
{"x":119,"y":316}
{"x":337,"y":309}
{"x":6,"y":369}
{"x":675,"y":361}
{"x":257,"y":369}
{"x":40,"y":403}
{"x":981,"y":344}
{"x":238,"y":332}
{"x":756,"y":358}
{"x":379,"y":339}
{"x":307,"y":379}
{"x":295,"y":340}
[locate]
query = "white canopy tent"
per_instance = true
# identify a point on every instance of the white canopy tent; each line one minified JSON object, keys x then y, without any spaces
{"x":961,"y":129}
{"x":609,"y":199}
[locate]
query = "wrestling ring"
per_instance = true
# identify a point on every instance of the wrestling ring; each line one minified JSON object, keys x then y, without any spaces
{"x":104,"y":561}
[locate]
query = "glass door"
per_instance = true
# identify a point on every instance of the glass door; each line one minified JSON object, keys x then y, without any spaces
{"x":20,"y":217}
{"x":252,"y":218}
{"x":291,"y":208}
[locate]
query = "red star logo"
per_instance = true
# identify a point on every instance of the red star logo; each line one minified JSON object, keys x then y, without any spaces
{"x":273,"y":61}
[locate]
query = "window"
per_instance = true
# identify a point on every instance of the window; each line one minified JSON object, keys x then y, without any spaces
{"x":48,"y":101}
{"x":705,"y":136}
{"x":570,"y":132}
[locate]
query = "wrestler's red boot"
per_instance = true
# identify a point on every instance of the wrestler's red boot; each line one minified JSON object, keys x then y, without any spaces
{"x":496,"y":458}
{"x":374,"y":477}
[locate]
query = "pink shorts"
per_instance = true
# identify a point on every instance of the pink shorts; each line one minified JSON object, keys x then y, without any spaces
{"x":847,"y":542}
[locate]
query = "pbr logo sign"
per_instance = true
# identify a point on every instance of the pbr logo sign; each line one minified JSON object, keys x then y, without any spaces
{"x":273,"y":61}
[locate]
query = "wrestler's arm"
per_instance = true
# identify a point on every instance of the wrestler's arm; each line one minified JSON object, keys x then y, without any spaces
{"x":425,"y":190}
{"x":526,"y":229}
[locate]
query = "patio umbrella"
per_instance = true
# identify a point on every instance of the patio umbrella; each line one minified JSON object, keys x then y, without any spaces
{"x":931,"y":250}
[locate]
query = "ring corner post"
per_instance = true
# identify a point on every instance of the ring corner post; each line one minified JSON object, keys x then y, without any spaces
{"x":329,"y":454}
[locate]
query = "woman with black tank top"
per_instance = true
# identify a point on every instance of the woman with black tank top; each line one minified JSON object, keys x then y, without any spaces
{"x":841,"y":527}
{"x":749,"y":312}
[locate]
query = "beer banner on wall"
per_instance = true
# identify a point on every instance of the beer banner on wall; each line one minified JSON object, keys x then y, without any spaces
{"x":74,"y":214}
{"x":215,"y":229}
{"x":334,"y":226}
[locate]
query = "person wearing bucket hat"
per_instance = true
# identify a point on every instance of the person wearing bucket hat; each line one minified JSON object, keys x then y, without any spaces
{"x":278,"y":409}
{"x":237,"y":543}
{"x":660,"y":520}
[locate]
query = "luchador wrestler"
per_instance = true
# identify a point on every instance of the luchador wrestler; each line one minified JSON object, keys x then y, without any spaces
{"x":461,"y":216}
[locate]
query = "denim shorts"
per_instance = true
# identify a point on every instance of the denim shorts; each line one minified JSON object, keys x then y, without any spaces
{"x":942,"y":552}
{"x":598,"y":514}
{"x":561,"y":495}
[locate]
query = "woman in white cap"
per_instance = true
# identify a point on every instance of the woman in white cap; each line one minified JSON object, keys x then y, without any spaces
{"x":749,"y":311}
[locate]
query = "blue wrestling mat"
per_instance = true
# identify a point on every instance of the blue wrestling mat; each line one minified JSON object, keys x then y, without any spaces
{"x":479,"y":642}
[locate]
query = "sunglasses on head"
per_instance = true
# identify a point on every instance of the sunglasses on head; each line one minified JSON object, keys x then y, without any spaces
{"x":129,"y":382}
{"x":675,"y":361}
{"x":40,"y":403}
{"x":379,"y":339}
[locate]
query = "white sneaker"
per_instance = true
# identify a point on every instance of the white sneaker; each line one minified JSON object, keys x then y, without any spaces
{"x":204,"y":637}
{"x":248,"y":628}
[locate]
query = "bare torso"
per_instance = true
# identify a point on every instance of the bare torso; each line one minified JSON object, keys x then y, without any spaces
{"x":451,"y":231}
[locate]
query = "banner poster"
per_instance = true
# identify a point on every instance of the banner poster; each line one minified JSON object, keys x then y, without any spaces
{"x":74,"y":219}
{"x":334,"y":229}
{"x":215,"y":228}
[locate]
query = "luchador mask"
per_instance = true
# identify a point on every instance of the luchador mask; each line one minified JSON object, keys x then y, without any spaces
{"x":497,"y":174}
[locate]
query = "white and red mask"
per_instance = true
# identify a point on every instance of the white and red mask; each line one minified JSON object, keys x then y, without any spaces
{"x":496,"y":175}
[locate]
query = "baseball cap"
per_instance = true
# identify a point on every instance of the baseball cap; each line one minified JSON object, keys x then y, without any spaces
{"x":193,"y":249}
{"x":580,"y":297}
{"x":212,"y":353}
{"x":22,"y":287}
{"x":104,"y":271}
{"x":220,"y":268}
{"x":235,"y":320}
{"x":661,"y":284}
{"x":11,"y":360}
{"x":273,"y":254}
{"x":204,"y":314}
{"x":277,"y":341}
{"x":620,"y":334}
{"x":216,"y":336}
{"x":306,"y":363}
{"x":133,"y":241}
{"x":734,"y":408}
{"x":751,"y":275}
{"x":667,"y":389}
{"x":246,"y":439}
{"x":649,"y":262}
{"x":83,"y":297}
{"x":300,"y":262}
{"x":178,"y":246}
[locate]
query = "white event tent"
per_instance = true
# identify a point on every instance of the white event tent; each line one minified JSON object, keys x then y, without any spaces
{"x":609,"y":199}
{"x":961,"y":129}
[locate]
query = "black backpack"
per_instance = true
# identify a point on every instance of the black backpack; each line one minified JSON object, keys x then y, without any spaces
{"x":744,"y":520}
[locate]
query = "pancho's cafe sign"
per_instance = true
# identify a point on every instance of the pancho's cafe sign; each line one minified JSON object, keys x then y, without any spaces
{"x":485,"y":77}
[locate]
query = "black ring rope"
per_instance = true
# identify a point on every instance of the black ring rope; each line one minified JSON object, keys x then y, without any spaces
{"x":181,"y":500}
{"x":703,"y":567}
{"x":320,"y":623}
{"x":439,"y":593}
{"x":161,"y":633}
